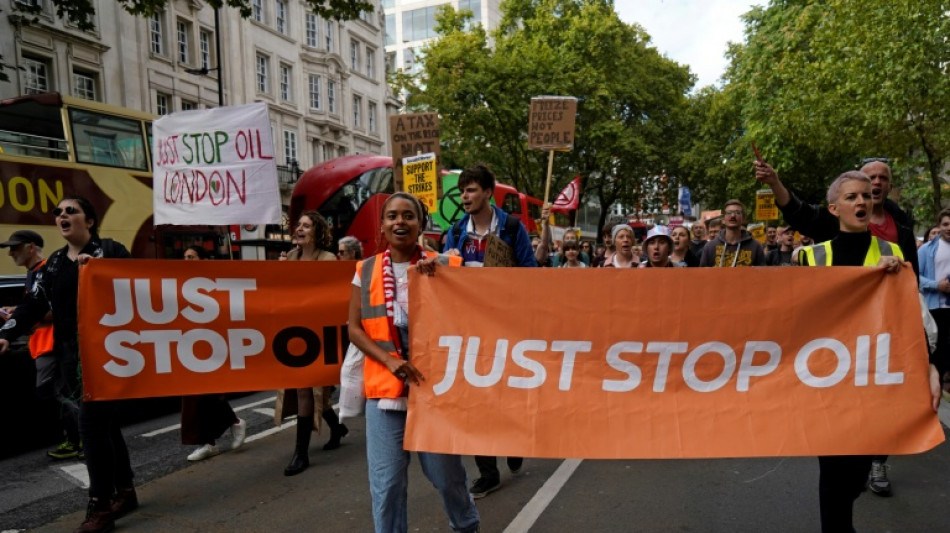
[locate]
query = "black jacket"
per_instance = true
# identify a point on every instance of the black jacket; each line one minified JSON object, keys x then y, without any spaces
{"x":817,"y":223}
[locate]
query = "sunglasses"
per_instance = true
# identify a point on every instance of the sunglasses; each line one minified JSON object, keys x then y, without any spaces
{"x":885,"y":160}
{"x":70,"y":210}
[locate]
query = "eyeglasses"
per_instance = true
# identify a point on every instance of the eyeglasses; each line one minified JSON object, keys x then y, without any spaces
{"x":70,"y":210}
{"x":885,"y":160}
{"x":732,"y":213}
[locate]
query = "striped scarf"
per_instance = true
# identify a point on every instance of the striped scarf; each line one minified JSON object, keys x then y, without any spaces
{"x":389,"y":293}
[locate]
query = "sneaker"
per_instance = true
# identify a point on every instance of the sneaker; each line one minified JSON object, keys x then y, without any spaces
{"x":238,"y":432}
{"x":98,"y":519}
{"x":124,"y":502}
{"x":878,"y":482}
{"x":514,"y":464}
{"x":203,"y":452}
{"x":483,"y":486}
{"x":66,"y":450}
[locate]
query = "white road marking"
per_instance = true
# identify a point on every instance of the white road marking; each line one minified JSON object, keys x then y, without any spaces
{"x":271,"y":431}
{"x":266,"y":411}
{"x":532,"y":511}
{"x":78,"y":472}
{"x":236,"y":410}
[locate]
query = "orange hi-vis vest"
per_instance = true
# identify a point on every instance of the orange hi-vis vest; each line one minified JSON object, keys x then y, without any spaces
{"x":378,"y":381}
{"x":41,"y":340}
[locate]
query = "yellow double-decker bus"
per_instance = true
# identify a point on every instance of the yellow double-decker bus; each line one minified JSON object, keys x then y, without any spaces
{"x":53,"y":145}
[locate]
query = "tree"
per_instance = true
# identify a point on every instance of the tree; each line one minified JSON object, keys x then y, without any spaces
{"x":827,"y":82}
{"x":80,"y":12}
{"x":627,"y":96}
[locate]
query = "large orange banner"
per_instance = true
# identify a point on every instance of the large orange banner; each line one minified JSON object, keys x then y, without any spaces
{"x":667,"y":363}
{"x":168,"y":328}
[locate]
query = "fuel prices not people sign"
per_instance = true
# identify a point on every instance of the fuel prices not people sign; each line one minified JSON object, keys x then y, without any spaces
{"x":420,"y":179}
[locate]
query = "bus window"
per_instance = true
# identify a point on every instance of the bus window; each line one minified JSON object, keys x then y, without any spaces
{"x":341,"y":208}
{"x":534,"y":211}
{"x":512,"y":204}
{"x":108,"y":140}
{"x":33,"y":127}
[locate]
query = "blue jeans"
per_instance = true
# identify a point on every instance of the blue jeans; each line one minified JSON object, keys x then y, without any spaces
{"x":388,"y":468}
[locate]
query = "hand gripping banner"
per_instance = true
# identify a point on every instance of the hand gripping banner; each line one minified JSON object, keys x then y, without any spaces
{"x":669,"y":363}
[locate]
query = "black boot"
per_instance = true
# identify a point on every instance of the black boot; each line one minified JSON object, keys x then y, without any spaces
{"x":301,"y":459}
{"x":337,"y":430}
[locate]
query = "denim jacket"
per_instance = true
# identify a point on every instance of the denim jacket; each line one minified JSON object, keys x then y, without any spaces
{"x":927,"y":255}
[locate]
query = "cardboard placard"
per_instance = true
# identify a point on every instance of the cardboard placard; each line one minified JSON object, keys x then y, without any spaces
{"x":551,"y":123}
{"x":410,"y":135}
{"x":765,"y":208}
{"x":498,"y":253}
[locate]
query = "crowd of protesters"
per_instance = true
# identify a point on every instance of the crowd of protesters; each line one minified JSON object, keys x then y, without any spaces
{"x":859,"y":227}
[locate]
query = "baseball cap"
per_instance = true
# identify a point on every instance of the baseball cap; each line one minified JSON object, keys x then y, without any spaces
{"x":659,"y":231}
{"x":23,"y":236}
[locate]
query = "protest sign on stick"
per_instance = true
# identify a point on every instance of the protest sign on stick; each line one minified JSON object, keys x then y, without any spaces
{"x":551,"y":127}
{"x":420,"y":175}
{"x":410,"y":135}
{"x":765,"y":208}
{"x":215,"y":166}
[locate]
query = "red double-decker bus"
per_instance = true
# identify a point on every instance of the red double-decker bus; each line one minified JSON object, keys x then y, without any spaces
{"x":349,"y":191}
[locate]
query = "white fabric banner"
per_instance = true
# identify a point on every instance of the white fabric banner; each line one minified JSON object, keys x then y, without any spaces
{"x":215,"y":166}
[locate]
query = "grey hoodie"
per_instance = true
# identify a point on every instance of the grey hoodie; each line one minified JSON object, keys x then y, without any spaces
{"x":747,"y":252}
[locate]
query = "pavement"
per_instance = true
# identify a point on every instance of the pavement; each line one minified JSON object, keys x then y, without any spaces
{"x":246,"y":491}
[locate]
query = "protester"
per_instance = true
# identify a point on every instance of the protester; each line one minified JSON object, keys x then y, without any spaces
{"x":588,"y":249}
{"x":624,"y":256}
{"x":205,"y":417}
{"x":546,"y":249}
{"x":931,"y":233}
{"x":56,"y":288}
{"x":26,"y":250}
{"x":771,"y":232}
{"x":349,"y":249}
{"x":606,"y":234}
{"x":482,"y":219}
{"x":713,"y":227}
{"x":682,"y":254}
{"x":887,"y":221}
{"x":572,"y":254}
{"x":842,"y":478}
{"x":934,"y":257}
{"x":599,"y":256}
{"x":782,"y":255}
{"x":313,"y":240}
{"x":698,"y":229}
{"x":659,"y":245}
{"x":381,"y":331}
{"x":733,"y":246}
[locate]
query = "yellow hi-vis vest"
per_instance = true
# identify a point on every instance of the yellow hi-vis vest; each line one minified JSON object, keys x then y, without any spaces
{"x":378,"y":381}
{"x":820,"y":254}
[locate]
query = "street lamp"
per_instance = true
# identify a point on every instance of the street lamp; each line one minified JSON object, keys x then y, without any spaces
{"x":203,"y":71}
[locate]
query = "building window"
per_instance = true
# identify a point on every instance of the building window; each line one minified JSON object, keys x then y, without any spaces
{"x":329,"y":36}
{"x":390,"y":61}
{"x":285,"y":76}
{"x":314,"y":91}
{"x":36,"y":77}
{"x":475,"y":6}
{"x":204,"y":46}
{"x":327,"y":152}
{"x":257,"y":10}
{"x":156,"y":26}
{"x":331,"y":96}
{"x":290,"y":147}
{"x":84,"y":86}
{"x":419,"y":24}
{"x":262,"y":73}
{"x":312,"y":37}
{"x":161,"y":104}
{"x":370,"y":62}
{"x":355,"y":55}
{"x":188,"y":106}
{"x":184,"y":38}
{"x":365,"y":16}
{"x":357,"y":111}
{"x":341,"y":151}
{"x":389,"y":30}
{"x":280,"y":15}
{"x":371,"y":117}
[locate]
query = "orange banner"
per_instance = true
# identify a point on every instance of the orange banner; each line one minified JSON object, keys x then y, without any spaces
{"x":168,"y":328}
{"x":669,"y":363}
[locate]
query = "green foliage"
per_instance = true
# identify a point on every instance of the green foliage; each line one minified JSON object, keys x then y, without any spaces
{"x":820,"y":84}
{"x":628,"y":97}
{"x":80,"y":12}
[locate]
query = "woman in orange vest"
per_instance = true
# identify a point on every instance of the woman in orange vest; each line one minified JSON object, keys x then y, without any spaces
{"x":379,"y":326}
{"x":313,"y":241}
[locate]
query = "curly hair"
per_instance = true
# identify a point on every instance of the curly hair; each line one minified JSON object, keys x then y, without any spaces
{"x":322,"y":238}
